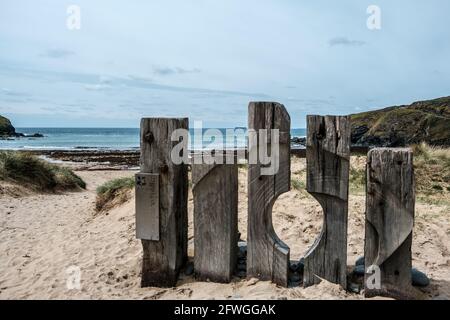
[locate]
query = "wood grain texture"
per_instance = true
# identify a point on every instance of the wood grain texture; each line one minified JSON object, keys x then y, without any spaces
{"x":163,"y":259}
{"x":327,"y":158}
{"x":215,"y":190}
{"x":390,"y":202}
{"x":267,"y":255}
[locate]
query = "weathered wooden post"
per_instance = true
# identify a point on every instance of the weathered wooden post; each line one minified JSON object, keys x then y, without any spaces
{"x":161,"y":203}
{"x":267,"y":255}
{"x":215,"y":189}
{"x":327,"y":159}
{"x":389,"y":222}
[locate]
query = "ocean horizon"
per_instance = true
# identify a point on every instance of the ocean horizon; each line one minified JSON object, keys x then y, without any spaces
{"x":115,"y":139}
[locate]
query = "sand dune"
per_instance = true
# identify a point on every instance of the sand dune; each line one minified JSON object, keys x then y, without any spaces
{"x":41,"y":235}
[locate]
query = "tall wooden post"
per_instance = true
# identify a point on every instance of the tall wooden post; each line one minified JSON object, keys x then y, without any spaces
{"x":390,"y":203}
{"x":161,"y":222}
{"x":327,"y":159}
{"x":267,"y":255}
{"x":215,"y":189}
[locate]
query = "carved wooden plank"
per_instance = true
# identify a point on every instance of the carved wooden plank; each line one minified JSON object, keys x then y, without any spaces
{"x":389,"y":220}
{"x":163,"y":259}
{"x":267,"y":255}
{"x":327,"y":158}
{"x":215,"y":190}
{"x":147,"y":206}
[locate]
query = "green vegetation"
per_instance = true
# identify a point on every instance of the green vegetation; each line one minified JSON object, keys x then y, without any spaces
{"x":357,"y":179}
{"x":423,"y":121}
{"x":298,"y":184}
{"x":114,"y":192}
{"x":432,"y":171}
{"x":37,"y":174}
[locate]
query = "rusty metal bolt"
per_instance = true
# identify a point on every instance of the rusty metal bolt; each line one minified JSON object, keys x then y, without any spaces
{"x":148,"y":137}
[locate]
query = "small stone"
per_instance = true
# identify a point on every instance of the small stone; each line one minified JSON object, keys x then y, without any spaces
{"x":189,"y":269}
{"x":354,"y":287}
{"x":294,"y":277}
{"x":252,"y":281}
{"x":242,"y":249}
{"x":419,"y":278}
{"x":359,"y":270}
{"x":293,"y":266}
{"x":242,"y":267}
{"x":359,"y":261}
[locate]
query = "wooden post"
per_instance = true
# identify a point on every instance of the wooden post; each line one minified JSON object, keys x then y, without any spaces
{"x":389,"y":221}
{"x":165,"y":246}
{"x":215,"y":189}
{"x":267,"y":255}
{"x":327,"y":159}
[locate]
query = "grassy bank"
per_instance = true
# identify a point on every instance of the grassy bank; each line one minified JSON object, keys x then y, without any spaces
{"x":113,"y":193}
{"x":32,"y":172}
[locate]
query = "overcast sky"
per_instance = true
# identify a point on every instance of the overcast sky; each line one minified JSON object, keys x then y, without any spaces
{"x":206,"y":59}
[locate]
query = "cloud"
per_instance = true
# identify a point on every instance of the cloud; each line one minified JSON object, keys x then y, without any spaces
{"x":166,"y":71}
{"x":57,"y":54}
{"x":343,"y":41}
{"x":12,"y":93}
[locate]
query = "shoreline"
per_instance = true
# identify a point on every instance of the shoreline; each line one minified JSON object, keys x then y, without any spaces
{"x":127,"y":159}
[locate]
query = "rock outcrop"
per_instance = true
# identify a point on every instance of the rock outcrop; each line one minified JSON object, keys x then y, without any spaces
{"x":7,"y":131}
{"x":6,"y":128}
{"x":398,"y":126}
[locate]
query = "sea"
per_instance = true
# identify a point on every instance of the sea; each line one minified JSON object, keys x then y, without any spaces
{"x":122,"y":139}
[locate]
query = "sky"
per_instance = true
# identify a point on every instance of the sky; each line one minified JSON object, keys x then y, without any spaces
{"x":207,"y":59}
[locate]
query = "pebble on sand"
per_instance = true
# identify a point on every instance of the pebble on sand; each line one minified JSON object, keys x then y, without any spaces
{"x":419,"y":278}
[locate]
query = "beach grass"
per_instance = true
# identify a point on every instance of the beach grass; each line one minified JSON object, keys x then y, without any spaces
{"x":114,"y":192}
{"x":432,"y":171}
{"x":32,"y":172}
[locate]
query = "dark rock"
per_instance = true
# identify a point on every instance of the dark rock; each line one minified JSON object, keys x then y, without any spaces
{"x":189,"y":269}
{"x":359,"y":270}
{"x":359,"y":261}
{"x":299,"y":140}
{"x":293,"y":266}
{"x":242,"y":267}
{"x":297,"y":266}
{"x":34,"y":135}
{"x":242,"y":252}
{"x":6,"y":128}
{"x":242,"y":274}
{"x":419,"y":278}
{"x":358,"y":132}
{"x":354,"y":287}
{"x":294,"y":277}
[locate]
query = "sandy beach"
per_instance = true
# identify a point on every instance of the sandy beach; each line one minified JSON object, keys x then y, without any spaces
{"x":42,"y":235}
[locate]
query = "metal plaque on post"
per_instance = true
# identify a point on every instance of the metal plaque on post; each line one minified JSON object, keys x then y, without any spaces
{"x":147,"y":206}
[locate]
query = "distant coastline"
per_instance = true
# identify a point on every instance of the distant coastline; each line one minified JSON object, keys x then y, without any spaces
{"x":111,"y":139}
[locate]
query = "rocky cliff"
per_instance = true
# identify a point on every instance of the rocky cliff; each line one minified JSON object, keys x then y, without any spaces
{"x":6,"y":128}
{"x":423,"y":121}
